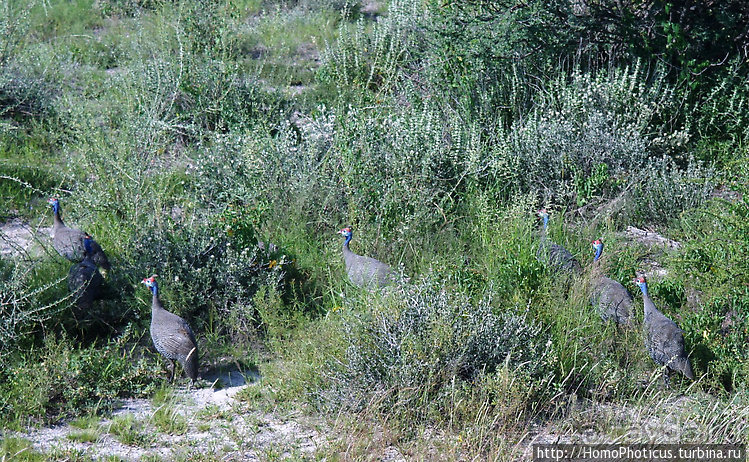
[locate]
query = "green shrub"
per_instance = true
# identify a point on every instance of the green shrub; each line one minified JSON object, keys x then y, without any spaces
{"x":19,"y":186}
{"x":504,"y":241}
{"x":664,"y":190}
{"x":713,"y":264}
{"x":369,"y":60}
{"x":62,"y":380}
{"x":23,"y":97}
{"x":110,"y":8}
{"x":560,"y":158}
{"x":721,"y":114}
{"x":404,"y":350}
{"x":27,"y":302}
{"x":204,"y":275}
{"x":186,"y":153}
{"x":594,"y":134}
{"x":51,"y":19}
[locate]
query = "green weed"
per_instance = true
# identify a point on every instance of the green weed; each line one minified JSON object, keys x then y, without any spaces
{"x":220,"y":145}
{"x":19,"y":449}
{"x":168,"y":419}
{"x":88,"y":429}
{"x":60,"y":380}
{"x":130,"y":431}
{"x":166,"y":416}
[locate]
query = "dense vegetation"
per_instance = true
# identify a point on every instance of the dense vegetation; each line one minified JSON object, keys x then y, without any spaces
{"x":187,"y":136}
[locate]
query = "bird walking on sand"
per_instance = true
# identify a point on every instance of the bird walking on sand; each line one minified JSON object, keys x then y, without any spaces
{"x":172,"y":336}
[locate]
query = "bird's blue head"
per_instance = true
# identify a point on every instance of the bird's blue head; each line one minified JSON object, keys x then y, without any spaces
{"x":640,"y":281}
{"x":151,"y":284}
{"x":347,"y":233}
{"x":598,"y":245}
{"x":55,"y":204}
{"x":87,"y":240}
{"x":544,"y":216}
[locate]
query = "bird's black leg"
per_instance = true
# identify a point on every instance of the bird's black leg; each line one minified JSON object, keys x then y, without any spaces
{"x":666,"y":381}
{"x":171,"y":370}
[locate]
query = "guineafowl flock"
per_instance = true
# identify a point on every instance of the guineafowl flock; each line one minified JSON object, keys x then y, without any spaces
{"x":664,"y":340}
{"x":175,"y":340}
{"x":171,"y":335}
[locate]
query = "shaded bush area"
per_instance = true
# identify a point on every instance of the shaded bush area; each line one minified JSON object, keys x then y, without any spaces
{"x":23,"y":97}
{"x":29,"y":297}
{"x":474,"y":43}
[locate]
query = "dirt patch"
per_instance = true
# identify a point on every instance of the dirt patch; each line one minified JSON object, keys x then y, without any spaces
{"x":217,"y":423}
{"x":20,"y":239}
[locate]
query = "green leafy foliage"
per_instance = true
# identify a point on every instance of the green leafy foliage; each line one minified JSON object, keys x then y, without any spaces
{"x":714,"y":261}
{"x":61,"y":380}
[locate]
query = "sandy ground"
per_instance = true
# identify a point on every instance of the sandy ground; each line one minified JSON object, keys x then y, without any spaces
{"x":218,"y":425}
{"x":21,"y":239}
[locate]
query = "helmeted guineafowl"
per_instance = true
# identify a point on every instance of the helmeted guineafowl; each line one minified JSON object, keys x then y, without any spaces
{"x":554,"y":255}
{"x":365,"y":271}
{"x":69,"y":241}
{"x":84,"y":280}
{"x":172,"y":336}
{"x":664,"y":340}
{"x":609,"y":297}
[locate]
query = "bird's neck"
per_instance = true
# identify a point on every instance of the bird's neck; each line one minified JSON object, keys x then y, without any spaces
{"x":546,"y":222}
{"x":58,"y":220}
{"x":347,"y":251}
{"x":598,"y":255}
{"x":644,"y":290}
{"x":648,"y":305}
{"x":348,"y":255}
{"x":155,"y":302}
